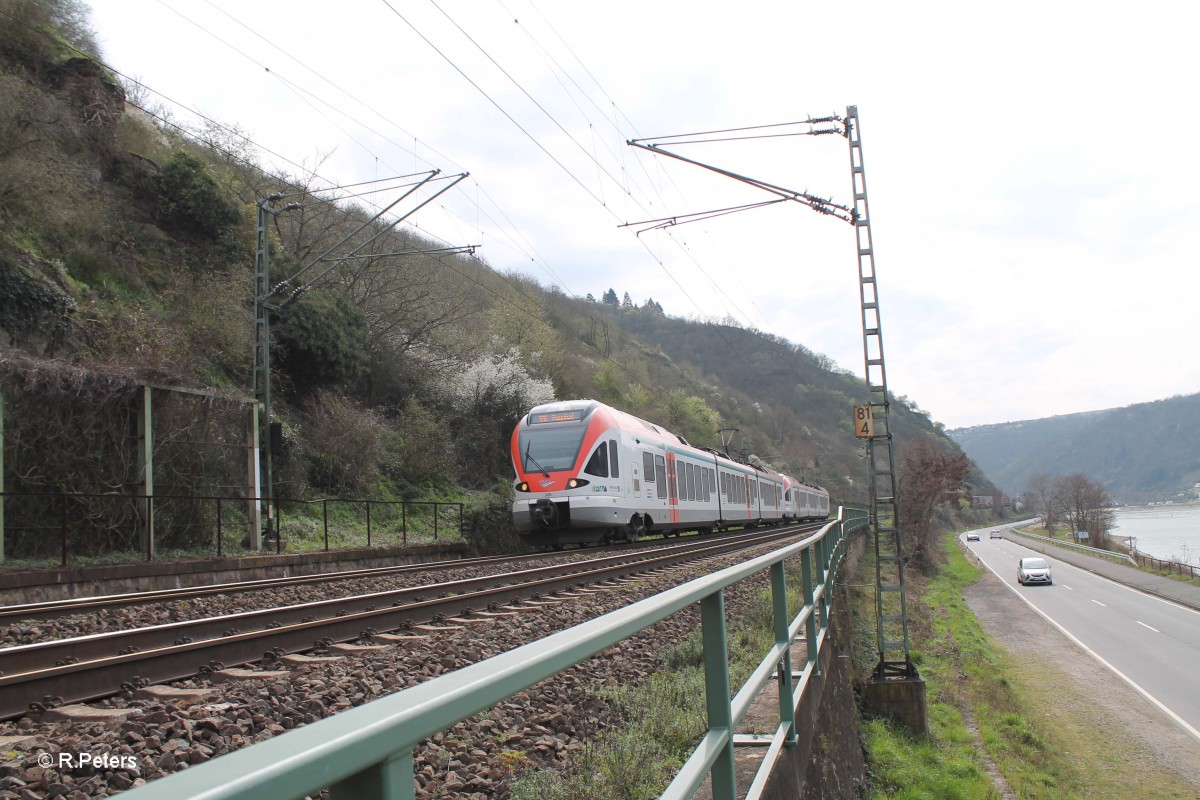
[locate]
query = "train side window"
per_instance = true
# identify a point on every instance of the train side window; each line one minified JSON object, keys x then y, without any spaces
{"x":691,"y":481}
{"x":648,"y":467}
{"x":708,"y":484}
{"x":613,"y":468}
{"x":598,"y":464}
{"x":660,"y":475}
{"x":712,"y":481}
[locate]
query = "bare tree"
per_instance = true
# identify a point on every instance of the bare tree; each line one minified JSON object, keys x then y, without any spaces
{"x":929,"y":476}
{"x":413,"y":304}
{"x":1042,"y":487}
{"x":1086,"y":505}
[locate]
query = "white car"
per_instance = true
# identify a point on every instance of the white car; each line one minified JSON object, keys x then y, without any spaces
{"x":973,"y":536}
{"x":1033,"y":570}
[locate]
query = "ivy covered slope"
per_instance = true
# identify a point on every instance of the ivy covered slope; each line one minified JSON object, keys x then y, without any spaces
{"x":127,"y":249}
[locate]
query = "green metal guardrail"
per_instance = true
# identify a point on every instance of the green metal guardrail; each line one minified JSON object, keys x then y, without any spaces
{"x":367,"y":752}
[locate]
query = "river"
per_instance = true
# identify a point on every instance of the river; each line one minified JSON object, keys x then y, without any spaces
{"x":1171,"y":532}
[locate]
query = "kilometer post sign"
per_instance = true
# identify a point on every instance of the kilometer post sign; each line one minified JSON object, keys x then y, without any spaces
{"x":864,"y":422}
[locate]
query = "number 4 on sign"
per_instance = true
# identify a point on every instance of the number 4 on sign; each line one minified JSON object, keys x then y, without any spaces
{"x":864,"y":422}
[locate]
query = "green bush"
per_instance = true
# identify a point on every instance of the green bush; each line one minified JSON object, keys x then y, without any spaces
{"x":190,"y":200}
{"x":487,"y":521}
{"x":324,"y":339}
{"x":344,"y":445}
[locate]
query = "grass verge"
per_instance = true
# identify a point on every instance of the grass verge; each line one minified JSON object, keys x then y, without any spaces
{"x":1022,"y":713}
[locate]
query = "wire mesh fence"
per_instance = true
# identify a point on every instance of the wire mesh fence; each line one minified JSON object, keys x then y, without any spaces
{"x":77,"y":527}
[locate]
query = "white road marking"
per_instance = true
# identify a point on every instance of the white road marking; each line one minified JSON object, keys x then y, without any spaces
{"x":1097,"y":602}
{"x":1180,"y":721}
{"x":1144,"y":625}
{"x":1065,"y":586}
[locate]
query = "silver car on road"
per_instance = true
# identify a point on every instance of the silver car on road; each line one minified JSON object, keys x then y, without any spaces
{"x":1033,"y":570}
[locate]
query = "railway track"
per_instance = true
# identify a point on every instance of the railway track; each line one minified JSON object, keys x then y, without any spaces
{"x":53,"y":609}
{"x":83,"y":668}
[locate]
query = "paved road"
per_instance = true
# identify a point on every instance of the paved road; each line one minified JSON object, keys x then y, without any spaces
{"x":1150,"y":642}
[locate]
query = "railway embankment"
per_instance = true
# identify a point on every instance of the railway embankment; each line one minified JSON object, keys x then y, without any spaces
{"x":61,"y":583}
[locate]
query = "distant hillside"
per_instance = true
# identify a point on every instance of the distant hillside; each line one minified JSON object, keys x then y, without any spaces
{"x":1144,"y":452}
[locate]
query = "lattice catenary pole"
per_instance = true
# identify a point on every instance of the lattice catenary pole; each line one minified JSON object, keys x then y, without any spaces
{"x":891,"y":609}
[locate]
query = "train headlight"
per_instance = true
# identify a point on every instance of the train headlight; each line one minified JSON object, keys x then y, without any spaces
{"x":575,"y":483}
{"x":522,"y":487}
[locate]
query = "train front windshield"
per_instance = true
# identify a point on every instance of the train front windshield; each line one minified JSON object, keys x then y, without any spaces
{"x":550,"y":449}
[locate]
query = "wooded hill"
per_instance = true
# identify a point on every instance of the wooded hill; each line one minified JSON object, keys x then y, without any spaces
{"x":1141,"y":453}
{"x":127,"y":245}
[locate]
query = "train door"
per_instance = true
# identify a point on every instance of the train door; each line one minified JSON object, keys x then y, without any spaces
{"x":672,"y":487}
{"x":715,"y":485}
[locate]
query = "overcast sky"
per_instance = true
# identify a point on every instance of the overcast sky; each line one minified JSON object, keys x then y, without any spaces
{"x":1031,"y":166}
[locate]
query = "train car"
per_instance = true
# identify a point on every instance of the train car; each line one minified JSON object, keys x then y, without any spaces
{"x":803,"y":502}
{"x":587,"y":472}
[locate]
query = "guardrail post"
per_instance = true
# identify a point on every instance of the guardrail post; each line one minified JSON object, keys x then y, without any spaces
{"x":716,"y":690}
{"x":404,"y":523}
{"x":818,"y":578}
{"x":436,"y":507}
{"x":787,"y":712}
{"x":325,"y":520}
{"x":810,"y":624}
{"x":368,"y":523}
{"x":389,"y":780}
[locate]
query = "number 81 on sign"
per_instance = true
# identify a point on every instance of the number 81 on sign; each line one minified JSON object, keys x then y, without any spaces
{"x":864,"y":422}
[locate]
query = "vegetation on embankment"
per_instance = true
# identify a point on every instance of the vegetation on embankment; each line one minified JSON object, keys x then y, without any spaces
{"x":988,"y":709}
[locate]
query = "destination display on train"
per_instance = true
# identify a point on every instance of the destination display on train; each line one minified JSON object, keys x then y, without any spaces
{"x":557,"y":416}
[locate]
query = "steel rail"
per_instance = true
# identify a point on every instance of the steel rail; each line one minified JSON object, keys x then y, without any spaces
{"x":87,"y":667}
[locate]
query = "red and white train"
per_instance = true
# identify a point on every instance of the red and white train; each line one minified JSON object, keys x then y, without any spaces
{"x":587,"y":472}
